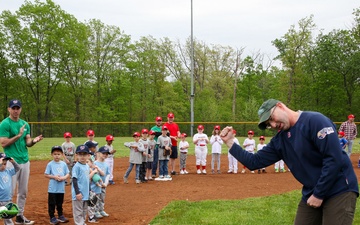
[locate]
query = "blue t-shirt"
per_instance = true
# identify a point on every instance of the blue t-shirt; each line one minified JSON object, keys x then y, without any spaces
{"x":5,"y":184}
{"x":95,"y":188}
{"x":81,"y":173}
{"x":104,"y":167}
{"x":56,"y":169}
{"x":343,"y":142}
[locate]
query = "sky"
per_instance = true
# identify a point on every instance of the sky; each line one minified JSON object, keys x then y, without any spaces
{"x":250,"y":24}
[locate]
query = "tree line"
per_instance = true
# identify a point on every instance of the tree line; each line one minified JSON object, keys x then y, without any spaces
{"x":63,"y":69}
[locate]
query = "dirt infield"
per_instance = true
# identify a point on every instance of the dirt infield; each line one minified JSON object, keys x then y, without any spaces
{"x":140,"y":203}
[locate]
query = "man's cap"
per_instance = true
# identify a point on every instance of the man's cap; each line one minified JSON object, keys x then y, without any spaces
{"x":90,"y":144}
{"x":170,"y":115}
{"x":200,"y":127}
{"x":217,"y":127}
{"x":183,"y":135}
{"x":144,"y":131}
{"x":90,"y":133}
{"x":342,"y":133}
{"x":262,"y":138}
{"x":158,"y":118}
{"x":67,"y":134}
{"x":164,"y":128}
{"x":137,"y":134}
{"x":104,"y":149}
{"x":56,"y":147}
{"x":351,"y":116}
{"x":82,"y":148}
{"x":109,"y":138}
{"x":264,"y":112}
{"x":14,"y":102}
{"x":251,"y":132}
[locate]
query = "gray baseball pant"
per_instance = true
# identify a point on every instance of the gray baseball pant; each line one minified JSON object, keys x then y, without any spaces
{"x":21,"y":180}
{"x":80,"y":209}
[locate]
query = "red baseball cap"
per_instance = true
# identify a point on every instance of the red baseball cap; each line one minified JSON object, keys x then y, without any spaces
{"x":158,"y":118}
{"x":151,"y":132}
{"x":109,"y":138}
{"x":250,"y":132}
{"x":200,"y":127}
{"x":183,"y":135}
{"x":136,"y":134}
{"x":90,"y":133}
{"x":262,"y":137}
{"x":144,"y":131}
{"x":67,"y":134}
{"x":342,"y":133}
{"x":164,"y":128}
{"x":170,"y":115}
{"x":351,"y":116}
{"x":217,"y":127}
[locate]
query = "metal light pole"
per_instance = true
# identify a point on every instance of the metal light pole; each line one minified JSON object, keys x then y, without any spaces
{"x":192,"y":75}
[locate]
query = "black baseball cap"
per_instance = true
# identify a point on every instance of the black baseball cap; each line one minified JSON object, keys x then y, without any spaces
{"x":14,"y":102}
{"x":56,"y":147}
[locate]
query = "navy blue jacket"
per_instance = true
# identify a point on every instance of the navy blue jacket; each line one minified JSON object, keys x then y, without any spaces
{"x":312,"y":151}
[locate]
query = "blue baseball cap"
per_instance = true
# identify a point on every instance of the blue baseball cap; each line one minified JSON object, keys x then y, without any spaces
{"x":91,"y":144}
{"x":104,"y":149}
{"x":14,"y":102}
{"x":82,"y":148}
{"x":56,"y":147}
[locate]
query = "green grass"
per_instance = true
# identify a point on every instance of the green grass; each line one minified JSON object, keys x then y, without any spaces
{"x":275,"y":209}
{"x":41,"y":151}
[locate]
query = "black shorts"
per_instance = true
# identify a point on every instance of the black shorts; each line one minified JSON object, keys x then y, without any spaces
{"x":149,"y":165}
{"x":174,"y":152}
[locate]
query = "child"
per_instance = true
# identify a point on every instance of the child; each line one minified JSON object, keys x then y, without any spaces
{"x":92,"y":146}
{"x":57,"y":171}
{"x":150,"y":159}
{"x":233,"y":163}
{"x":104,"y":172}
{"x":343,"y":141}
{"x":249,"y":145}
{"x":145,"y":142}
{"x":5,"y":181}
{"x":259,"y":147}
{"x":135,"y":158}
{"x":90,"y":134}
{"x":200,"y":140}
{"x":216,"y":143}
{"x":110,"y":159}
{"x":69,"y":150}
{"x":164,"y":143}
{"x":81,"y":176}
{"x":184,"y":146}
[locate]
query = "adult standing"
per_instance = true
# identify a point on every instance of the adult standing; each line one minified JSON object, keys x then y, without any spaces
{"x":15,"y":138}
{"x":174,"y":135}
{"x":309,"y":145}
{"x":350,"y":130}
{"x":157,"y":130}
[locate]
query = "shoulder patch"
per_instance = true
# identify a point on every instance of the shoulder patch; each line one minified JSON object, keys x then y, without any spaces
{"x":325,"y":131}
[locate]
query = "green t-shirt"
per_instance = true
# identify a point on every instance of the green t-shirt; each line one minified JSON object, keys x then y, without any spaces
{"x":18,"y":150}
{"x":156,"y":129}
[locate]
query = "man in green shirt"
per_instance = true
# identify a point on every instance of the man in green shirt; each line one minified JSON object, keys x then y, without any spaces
{"x":15,"y":138}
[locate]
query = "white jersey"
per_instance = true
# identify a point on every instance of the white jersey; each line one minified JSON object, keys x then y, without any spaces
{"x":201,"y":139}
{"x":260,"y":146}
{"x":249,"y":145}
{"x":216,"y":143}
{"x":183,"y":146}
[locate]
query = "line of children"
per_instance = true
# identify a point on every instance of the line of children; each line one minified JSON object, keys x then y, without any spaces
{"x":216,"y":143}
{"x":183,"y":146}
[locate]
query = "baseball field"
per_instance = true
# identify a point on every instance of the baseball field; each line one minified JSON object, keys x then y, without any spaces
{"x":269,"y":198}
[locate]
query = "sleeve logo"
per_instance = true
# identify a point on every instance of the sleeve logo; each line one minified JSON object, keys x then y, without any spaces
{"x":325,"y":131}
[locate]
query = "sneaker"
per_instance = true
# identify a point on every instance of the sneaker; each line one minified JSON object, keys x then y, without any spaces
{"x":125,"y":180}
{"x":23,"y":220}
{"x":54,"y":221}
{"x":198,"y":171}
{"x":276,"y":170}
{"x":263,"y":170}
{"x":93,"y":220}
{"x":150,"y":178}
{"x":219,"y":172}
{"x":173,"y":173}
{"x":182,"y":172}
{"x":153,"y":176}
{"x":235,"y":171}
{"x":63,"y":219}
{"x":283,"y":170}
{"x":229,"y":171}
{"x":167,"y":176}
{"x":111,"y":182}
{"x":252,"y":172}
{"x":137,"y":181}
{"x":104,"y":214}
{"x":161,"y":177}
{"x":203,"y":171}
{"x":213,"y":171}
{"x":98,"y":215}
{"x":243,"y":171}
{"x":185,"y":171}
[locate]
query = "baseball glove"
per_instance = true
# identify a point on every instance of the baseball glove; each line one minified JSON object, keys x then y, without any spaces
{"x":167,"y":152}
{"x":93,"y":198}
{"x":9,"y":211}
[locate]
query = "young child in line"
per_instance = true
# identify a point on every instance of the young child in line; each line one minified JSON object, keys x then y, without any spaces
{"x":216,"y":143}
{"x":150,"y":159}
{"x":68,"y":148}
{"x":90,"y":135}
{"x":233,"y":163}
{"x":58,"y":172}
{"x":95,"y":187}
{"x":110,"y":159}
{"x":102,"y":166}
{"x":343,"y":141}
{"x":92,"y":146}
{"x":81,"y":176}
{"x":135,"y":159}
{"x":249,"y":146}
{"x":5,"y":182}
{"x":259,"y":148}
{"x":164,"y":143}
{"x":200,"y":140}
{"x":145,"y":142}
{"x":183,"y":146}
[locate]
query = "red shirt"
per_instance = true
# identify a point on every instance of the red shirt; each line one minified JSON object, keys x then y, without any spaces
{"x":173,"y":129}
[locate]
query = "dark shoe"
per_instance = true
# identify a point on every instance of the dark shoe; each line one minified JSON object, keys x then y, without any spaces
{"x":54,"y":221}
{"x":111,"y":182}
{"x":173,"y":173}
{"x":22,"y":220}
{"x":63,"y":219}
